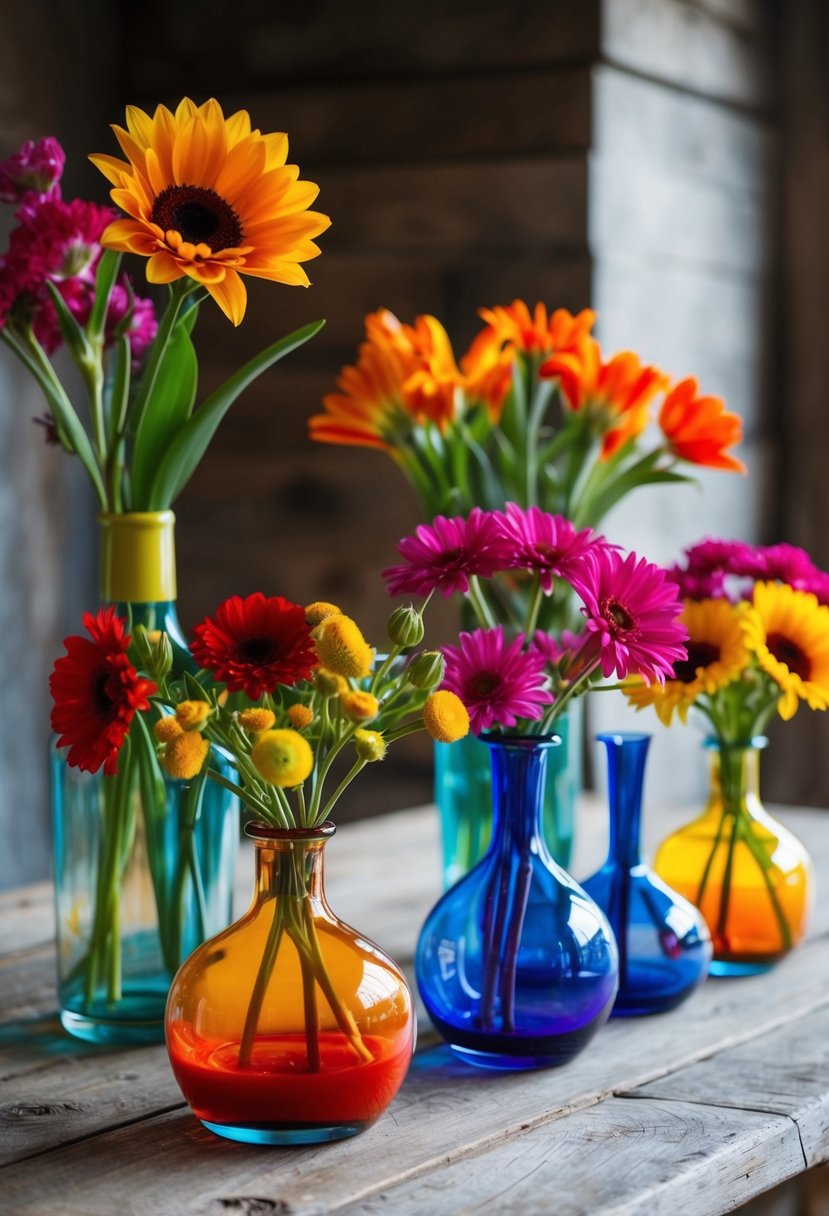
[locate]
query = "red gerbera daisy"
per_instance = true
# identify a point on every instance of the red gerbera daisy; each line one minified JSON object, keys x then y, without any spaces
{"x":97,"y":692}
{"x":255,"y":644}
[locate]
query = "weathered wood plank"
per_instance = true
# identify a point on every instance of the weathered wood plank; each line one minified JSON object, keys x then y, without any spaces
{"x":785,"y":1072}
{"x":610,"y":1160}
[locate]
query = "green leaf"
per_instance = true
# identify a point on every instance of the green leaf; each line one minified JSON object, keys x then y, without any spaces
{"x":120,"y":395}
{"x":165,"y":413}
{"x":104,"y":282}
{"x":71,"y":332}
{"x":189,"y":445}
{"x":193,"y":688}
{"x":189,"y":315}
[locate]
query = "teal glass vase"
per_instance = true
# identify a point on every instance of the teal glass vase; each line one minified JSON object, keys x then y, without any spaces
{"x":463,"y":794}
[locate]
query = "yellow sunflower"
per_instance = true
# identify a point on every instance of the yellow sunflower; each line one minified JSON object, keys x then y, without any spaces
{"x":717,"y":655}
{"x":788,"y":630}
{"x":210,"y":198}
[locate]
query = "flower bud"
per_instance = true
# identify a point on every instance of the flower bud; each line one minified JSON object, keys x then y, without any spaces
{"x":370,"y":745}
{"x":405,"y":627}
{"x":426,"y":670}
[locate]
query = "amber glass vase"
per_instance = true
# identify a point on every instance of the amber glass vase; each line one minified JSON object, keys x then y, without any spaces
{"x":289,"y":1027}
{"x":750,"y":877}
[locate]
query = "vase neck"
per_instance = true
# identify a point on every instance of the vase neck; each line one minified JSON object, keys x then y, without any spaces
{"x":735,"y":774}
{"x":519,"y":768}
{"x":626,"y":755}
{"x":138,"y":557}
{"x":289,"y":862}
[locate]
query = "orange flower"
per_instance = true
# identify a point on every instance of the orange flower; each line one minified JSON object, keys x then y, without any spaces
{"x":699,"y":429}
{"x":615,"y":394}
{"x":537,"y":331}
{"x":487,"y":369}
{"x":404,"y":376}
{"x":212,"y":199}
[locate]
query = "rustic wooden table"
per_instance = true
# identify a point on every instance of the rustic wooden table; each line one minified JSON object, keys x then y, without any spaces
{"x":691,"y":1112}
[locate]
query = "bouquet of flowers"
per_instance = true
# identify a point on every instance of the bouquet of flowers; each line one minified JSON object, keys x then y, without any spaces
{"x":288,"y":693}
{"x":758,"y":645}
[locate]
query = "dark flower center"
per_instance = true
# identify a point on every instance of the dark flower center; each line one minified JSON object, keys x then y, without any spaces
{"x":451,"y":557}
{"x":484,"y":684}
{"x":545,"y":554}
{"x":700,"y":654}
{"x":617,"y":616}
{"x":101,"y":697}
{"x":258,"y":651}
{"x":788,"y":652}
{"x":200,"y":215}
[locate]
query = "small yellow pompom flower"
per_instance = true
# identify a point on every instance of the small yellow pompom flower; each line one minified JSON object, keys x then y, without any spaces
{"x":167,"y":729}
{"x":300,"y":716}
{"x":445,"y":716}
{"x":359,"y":706}
{"x":329,"y":683}
{"x":283,"y":757}
{"x":192,"y":715}
{"x":342,"y":648}
{"x":184,"y":756}
{"x":370,"y":745}
{"x":319,"y":611}
{"x":153,"y":636}
{"x":256,"y":720}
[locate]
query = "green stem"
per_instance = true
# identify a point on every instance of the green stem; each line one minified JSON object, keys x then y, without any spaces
{"x":356,"y":768}
{"x":479,"y":605}
{"x":260,"y":986}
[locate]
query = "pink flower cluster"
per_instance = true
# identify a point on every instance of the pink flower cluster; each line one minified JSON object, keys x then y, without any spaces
{"x":630,"y":609}
{"x":58,"y":242}
{"x":728,"y":569}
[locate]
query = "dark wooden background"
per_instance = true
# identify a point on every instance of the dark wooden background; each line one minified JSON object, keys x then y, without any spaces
{"x":664,"y":160}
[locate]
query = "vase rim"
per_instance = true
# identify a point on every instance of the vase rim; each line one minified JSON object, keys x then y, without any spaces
{"x":519,"y":740}
{"x":148,"y":518}
{"x":757,"y":742}
{"x":265,"y":832}
{"x":623,"y":736}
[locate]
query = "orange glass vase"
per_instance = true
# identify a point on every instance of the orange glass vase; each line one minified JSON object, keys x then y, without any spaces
{"x":289,"y":1027}
{"x":750,"y":877}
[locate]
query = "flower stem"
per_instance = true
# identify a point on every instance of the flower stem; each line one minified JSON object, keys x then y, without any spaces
{"x":260,"y":986}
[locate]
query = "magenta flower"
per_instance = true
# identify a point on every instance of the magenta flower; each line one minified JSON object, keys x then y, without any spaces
{"x":445,"y":554}
{"x":33,"y":172}
{"x":787,"y":564}
{"x":703,"y":585}
{"x":548,"y":544}
{"x":632,"y":608}
{"x":722,"y":556}
{"x":137,"y":312}
{"x":498,"y":681}
{"x":555,"y":649}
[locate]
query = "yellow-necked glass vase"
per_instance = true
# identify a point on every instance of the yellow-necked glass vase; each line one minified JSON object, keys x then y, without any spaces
{"x":749,"y":875}
{"x":144,"y":864}
{"x":289,"y":1027}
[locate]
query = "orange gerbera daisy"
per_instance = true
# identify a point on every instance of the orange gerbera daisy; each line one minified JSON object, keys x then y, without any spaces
{"x":699,"y":429}
{"x":404,"y":375}
{"x":537,"y":331}
{"x":210,"y":198}
{"x":615,"y":394}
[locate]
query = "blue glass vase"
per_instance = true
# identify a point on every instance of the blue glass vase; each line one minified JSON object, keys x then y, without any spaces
{"x":516,"y":965}
{"x":664,"y":943}
{"x":463,"y":794}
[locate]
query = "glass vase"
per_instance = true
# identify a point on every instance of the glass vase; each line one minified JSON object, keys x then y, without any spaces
{"x":750,"y":876}
{"x":144,"y":864}
{"x":289,"y":1027}
{"x":664,"y":943}
{"x":516,"y":965}
{"x":463,"y":794}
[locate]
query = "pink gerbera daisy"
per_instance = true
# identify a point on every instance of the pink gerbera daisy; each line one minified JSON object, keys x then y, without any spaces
{"x":632,"y":608}
{"x":445,"y":554}
{"x":555,"y":650}
{"x":547,"y":543}
{"x":498,"y":681}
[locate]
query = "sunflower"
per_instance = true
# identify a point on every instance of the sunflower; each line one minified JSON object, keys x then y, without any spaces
{"x":717,"y":655}
{"x":210,"y":198}
{"x":788,"y":630}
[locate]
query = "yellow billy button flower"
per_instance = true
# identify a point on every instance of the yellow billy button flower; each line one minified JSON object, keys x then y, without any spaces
{"x":192,"y":715}
{"x":342,"y":648}
{"x":184,"y":756}
{"x":167,"y":729}
{"x":282,"y":757}
{"x":319,"y":611}
{"x":329,"y":683}
{"x":300,"y":716}
{"x":256,"y":720}
{"x":445,"y":716}
{"x":359,"y":706}
{"x":370,"y":745}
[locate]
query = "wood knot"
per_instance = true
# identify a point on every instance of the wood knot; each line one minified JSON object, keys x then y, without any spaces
{"x":22,"y":1112}
{"x":251,"y":1205}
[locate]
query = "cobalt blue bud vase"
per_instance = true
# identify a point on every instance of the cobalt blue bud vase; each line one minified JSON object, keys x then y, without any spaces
{"x":516,"y":965}
{"x":664,"y":943}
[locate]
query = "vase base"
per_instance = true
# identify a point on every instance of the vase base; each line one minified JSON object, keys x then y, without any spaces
{"x":309,"y":1134}
{"x":110,"y":1032}
{"x":726,"y":967}
{"x":501,"y":1062}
